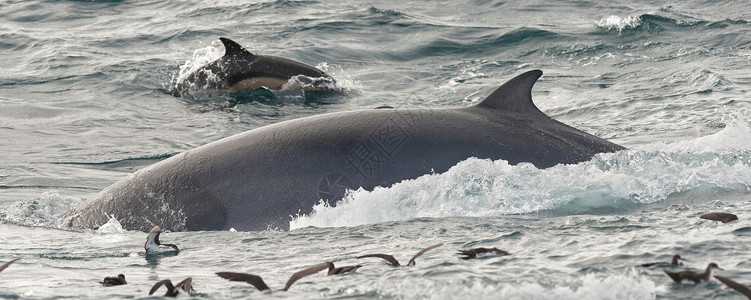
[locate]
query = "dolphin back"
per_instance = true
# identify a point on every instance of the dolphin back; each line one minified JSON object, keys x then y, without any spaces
{"x":240,"y":70}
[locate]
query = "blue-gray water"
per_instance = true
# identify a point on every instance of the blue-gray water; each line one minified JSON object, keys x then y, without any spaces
{"x":83,"y":103}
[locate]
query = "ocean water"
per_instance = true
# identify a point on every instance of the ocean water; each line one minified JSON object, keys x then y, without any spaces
{"x":84,"y":101}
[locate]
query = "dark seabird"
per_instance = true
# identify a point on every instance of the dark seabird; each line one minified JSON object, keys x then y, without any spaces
{"x":111,"y":280}
{"x":394,"y":263}
{"x":5,"y":265}
{"x":736,"y":286}
{"x":341,"y":270}
{"x":182,"y":287}
{"x":719,"y":216}
{"x":153,"y":246}
{"x":477,"y":252}
{"x":258,"y":283}
{"x":691,"y":275}
{"x":673,"y":262}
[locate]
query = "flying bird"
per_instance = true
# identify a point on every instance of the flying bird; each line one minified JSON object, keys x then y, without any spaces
{"x":259,"y":284}
{"x":5,"y":265}
{"x":182,"y":287}
{"x":736,"y":286}
{"x":394,"y":263}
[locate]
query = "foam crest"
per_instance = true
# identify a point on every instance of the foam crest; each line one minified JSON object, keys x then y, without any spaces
{"x":607,"y":183}
{"x":589,"y":286}
{"x":618,"y":23}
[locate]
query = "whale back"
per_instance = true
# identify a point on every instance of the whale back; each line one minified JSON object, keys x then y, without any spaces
{"x":258,"y":179}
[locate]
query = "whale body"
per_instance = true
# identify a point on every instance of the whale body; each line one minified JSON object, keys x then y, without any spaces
{"x":239,"y":70}
{"x":258,"y":179}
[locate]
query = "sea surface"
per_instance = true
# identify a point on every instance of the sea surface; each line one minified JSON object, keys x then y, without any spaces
{"x":84,"y":102}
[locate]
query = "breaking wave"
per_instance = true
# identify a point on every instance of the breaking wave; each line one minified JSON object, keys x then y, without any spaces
{"x":608,"y":183}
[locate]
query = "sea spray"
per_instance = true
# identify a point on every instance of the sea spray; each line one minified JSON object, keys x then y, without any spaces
{"x":485,"y":188}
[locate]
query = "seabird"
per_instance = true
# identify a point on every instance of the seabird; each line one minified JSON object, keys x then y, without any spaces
{"x":673,"y":262}
{"x":693,"y":276}
{"x":340,"y":270}
{"x":182,"y":287}
{"x":258,"y":283}
{"x":394,"y":263}
{"x":719,"y":216}
{"x":111,"y":280}
{"x":5,"y":265}
{"x":736,"y":286}
{"x":477,"y":252}
{"x":153,"y":246}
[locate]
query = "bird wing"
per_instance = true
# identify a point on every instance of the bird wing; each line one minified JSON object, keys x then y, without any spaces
{"x":736,"y":286}
{"x":166,"y":282}
{"x":254,"y":280}
{"x":389,"y":258}
{"x":186,"y":284}
{"x":411,"y":261}
{"x":305,"y":272}
{"x":5,"y":265}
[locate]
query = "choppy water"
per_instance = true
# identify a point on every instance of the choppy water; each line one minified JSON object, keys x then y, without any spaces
{"x":83,"y":102}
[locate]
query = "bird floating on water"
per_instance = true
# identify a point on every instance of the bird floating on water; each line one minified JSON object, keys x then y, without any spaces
{"x":673,"y":262}
{"x":479,"y":252}
{"x":678,"y":277}
{"x":719,"y":216}
{"x":114,"y":280}
{"x":153,"y":246}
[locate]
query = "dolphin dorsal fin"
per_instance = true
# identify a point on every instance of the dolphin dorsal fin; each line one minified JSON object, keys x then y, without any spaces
{"x":231,"y":48}
{"x":514,"y":95}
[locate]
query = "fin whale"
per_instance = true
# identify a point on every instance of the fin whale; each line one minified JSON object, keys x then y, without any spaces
{"x":257,"y":179}
{"x":240,"y":70}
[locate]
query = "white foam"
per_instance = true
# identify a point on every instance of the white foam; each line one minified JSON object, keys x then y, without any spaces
{"x":616,"y":22}
{"x":112,"y":226}
{"x":589,"y":286}
{"x":344,"y":81}
{"x":44,"y":211}
{"x":485,"y":188}
{"x":201,"y":57}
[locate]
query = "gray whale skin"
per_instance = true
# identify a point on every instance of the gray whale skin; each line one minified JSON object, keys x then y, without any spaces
{"x":258,"y":179}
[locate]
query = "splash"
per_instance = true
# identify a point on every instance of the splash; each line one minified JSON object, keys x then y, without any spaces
{"x":46,"y":210}
{"x":618,"y":23}
{"x":201,"y":57}
{"x":112,"y":226}
{"x":608,"y":183}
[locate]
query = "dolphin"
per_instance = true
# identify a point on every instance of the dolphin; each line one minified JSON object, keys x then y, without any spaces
{"x":257,"y":179}
{"x":239,"y":70}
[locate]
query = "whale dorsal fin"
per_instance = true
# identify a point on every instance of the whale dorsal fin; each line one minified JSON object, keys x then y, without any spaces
{"x":231,"y":48}
{"x":514,"y":95}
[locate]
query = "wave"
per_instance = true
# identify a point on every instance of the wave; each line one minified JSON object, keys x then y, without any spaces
{"x":618,"y":23}
{"x":609,"y":183}
{"x":590,"y":286}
